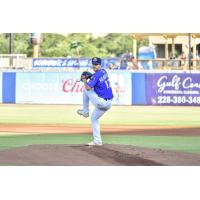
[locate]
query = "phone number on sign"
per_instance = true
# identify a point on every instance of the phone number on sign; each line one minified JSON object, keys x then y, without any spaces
{"x":178,"y":100}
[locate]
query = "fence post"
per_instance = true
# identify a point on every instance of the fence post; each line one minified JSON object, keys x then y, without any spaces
{"x":11,"y":48}
{"x":189,"y":55}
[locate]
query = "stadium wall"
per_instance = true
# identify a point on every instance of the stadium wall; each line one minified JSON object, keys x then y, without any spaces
{"x":139,"y":89}
{"x":173,"y":88}
{"x":63,"y":88}
{"x":136,"y":88}
{"x":9,"y":87}
{"x":1,"y":87}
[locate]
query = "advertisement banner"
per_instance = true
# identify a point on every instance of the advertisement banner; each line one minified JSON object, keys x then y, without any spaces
{"x":173,"y":89}
{"x":1,"y":85}
{"x":76,"y":63}
{"x":121,"y":83}
{"x":73,"y":62}
{"x":64,"y":88}
{"x":61,"y":62}
{"x":48,"y":88}
{"x":49,"y":62}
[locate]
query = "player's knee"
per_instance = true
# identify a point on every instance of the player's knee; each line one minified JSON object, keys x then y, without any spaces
{"x":94,"y":117}
{"x":84,"y":91}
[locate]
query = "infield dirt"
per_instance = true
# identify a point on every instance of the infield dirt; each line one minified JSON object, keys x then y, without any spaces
{"x":106,"y":155}
{"x":105,"y":129}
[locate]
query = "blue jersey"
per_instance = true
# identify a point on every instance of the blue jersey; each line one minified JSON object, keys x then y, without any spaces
{"x":101,"y":84}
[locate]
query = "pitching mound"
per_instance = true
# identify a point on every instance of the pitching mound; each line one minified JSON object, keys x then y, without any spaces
{"x":79,"y":155}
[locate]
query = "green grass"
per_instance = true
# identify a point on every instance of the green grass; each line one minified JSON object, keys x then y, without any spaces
{"x":24,"y":140}
{"x":118,"y":115}
{"x":185,"y":144}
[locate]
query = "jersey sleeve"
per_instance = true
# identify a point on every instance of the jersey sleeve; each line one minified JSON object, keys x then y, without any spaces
{"x":92,"y":81}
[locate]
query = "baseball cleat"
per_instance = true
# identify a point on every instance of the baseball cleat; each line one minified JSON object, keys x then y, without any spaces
{"x":83,"y":113}
{"x":94,"y":144}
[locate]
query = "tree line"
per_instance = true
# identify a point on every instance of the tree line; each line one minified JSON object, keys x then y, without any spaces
{"x":72,"y":45}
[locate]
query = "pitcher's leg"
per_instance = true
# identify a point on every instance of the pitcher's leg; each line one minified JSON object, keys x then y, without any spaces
{"x":96,"y":114}
{"x":94,"y":99}
{"x":85,"y":102}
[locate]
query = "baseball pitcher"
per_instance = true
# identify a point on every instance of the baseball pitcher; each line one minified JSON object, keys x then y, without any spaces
{"x":99,"y":92}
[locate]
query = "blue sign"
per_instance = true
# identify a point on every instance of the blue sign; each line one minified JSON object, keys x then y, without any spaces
{"x":84,"y":62}
{"x":49,"y":62}
{"x":61,"y":62}
{"x":74,"y":62}
{"x":9,"y":87}
{"x":0,"y":87}
{"x":173,"y":89}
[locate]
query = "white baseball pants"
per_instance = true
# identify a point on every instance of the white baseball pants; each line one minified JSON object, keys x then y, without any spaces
{"x":101,"y":106}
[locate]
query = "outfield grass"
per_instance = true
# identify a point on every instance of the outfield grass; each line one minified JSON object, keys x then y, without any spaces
{"x":185,"y":144}
{"x":118,"y":115}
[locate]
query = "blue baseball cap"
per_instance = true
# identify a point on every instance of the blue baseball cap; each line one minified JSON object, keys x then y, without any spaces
{"x":96,"y":61}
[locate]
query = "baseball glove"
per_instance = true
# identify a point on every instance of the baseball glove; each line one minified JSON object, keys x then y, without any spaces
{"x":86,"y":75}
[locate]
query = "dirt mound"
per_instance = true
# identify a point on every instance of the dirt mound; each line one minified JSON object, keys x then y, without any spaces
{"x":79,"y":155}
